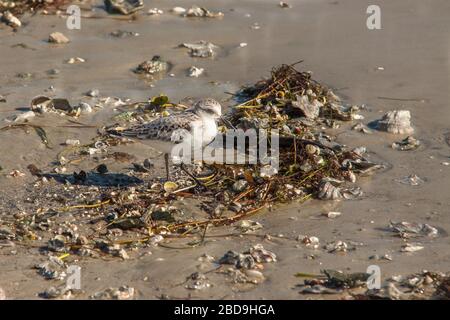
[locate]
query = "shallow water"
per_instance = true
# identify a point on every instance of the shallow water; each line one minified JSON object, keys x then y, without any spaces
{"x":331,"y":37}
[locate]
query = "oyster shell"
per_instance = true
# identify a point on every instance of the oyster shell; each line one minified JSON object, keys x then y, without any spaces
{"x":407,"y":144}
{"x":201,"y":49}
{"x":327,"y":191}
{"x":396,"y":122}
{"x":153,"y":66}
{"x":310,"y":109}
{"x":123,"y":6}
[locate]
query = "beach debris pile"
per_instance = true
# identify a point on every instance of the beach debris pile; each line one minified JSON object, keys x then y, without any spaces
{"x":353,"y":286}
{"x":311,"y":165}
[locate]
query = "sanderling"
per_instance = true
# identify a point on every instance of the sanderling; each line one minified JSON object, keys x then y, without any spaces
{"x":195,"y":127}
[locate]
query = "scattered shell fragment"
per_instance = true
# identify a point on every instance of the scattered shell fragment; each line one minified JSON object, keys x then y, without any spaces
{"x":201,"y":49}
{"x":93,"y":93}
{"x":195,"y":72}
{"x":309,"y":241}
{"x":61,"y":292}
{"x":327,"y":191}
{"x":155,"y":12}
{"x":411,"y":247}
{"x":396,"y":122}
{"x":196,"y":11}
{"x":248,"y":226}
{"x":74,"y":60}
{"x":10,"y":19}
{"x":336,"y":246}
{"x":178,"y":10}
{"x":155,"y":65}
{"x":121,"y":293}
{"x":125,"y":7}
{"x":408,"y":229}
{"x":58,"y":38}
{"x":262,"y":255}
{"x":331,"y":214}
{"x":170,"y":186}
{"x":362,"y":128}
{"x":197,"y":281}
{"x":25,"y":116}
{"x":285,"y":5}
{"x":412,"y":180}
{"x":309,"y":109}
{"x":407,"y":144}
{"x":72,"y":142}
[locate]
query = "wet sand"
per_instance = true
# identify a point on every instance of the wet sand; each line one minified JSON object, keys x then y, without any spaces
{"x":331,"y":37}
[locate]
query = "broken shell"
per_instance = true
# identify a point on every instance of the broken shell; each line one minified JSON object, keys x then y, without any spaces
{"x":195,"y":72}
{"x":411,"y":248}
{"x":196,"y":11}
{"x":310,"y":110}
{"x":122,"y":293}
{"x":170,"y":186}
{"x":407,"y":144}
{"x":240,"y":185}
{"x":247,"y":226}
{"x":413,"y":180}
{"x":178,"y":10}
{"x":201,"y":49}
{"x":262,"y":255}
{"x":11,"y":20}
{"x":58,"y":38}
{"x":336,"y":246}
{"x":25,"y":116}
{"x":331,"y":214}
{"x":362,"y":128}
{"x":408,"y":229}
{"x":40,"y":104}
{"x":396,"y":122}
{"x":153,"y":66}
{"x":328,"y":191}
{"x":125,"y":7}
{"x":312,"y":149}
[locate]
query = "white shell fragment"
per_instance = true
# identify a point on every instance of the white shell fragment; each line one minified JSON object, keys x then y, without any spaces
{"x":410,"y":229}
{"x":327,"y":191}
{"x":195,"y":72}
{"x":310,"y":109}
{"x":10,"y":19}
{"x":411,"y":247}
{"x":58,"y":38}
{"x":25,"y":116}
{"x":178,"y":10}
{"x":412,"y":180}
{"x":396,"y":122}
{"x":201,"y":49}
{"x":407,"y":144}
{"x":196,"y":11}
{"x":122,"y":293}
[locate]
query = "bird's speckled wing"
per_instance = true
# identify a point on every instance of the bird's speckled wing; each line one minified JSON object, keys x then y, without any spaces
{"x":162,"y":128}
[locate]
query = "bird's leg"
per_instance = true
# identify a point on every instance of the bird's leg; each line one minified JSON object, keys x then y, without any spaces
{"x":166,"y":159}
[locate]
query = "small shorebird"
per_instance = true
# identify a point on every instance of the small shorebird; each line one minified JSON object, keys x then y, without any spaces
{"x":194,"y":127}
